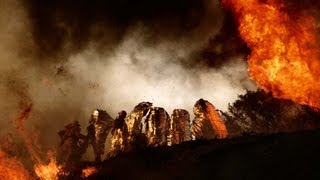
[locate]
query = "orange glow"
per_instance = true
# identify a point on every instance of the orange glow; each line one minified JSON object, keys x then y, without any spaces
{"x":217,"y":123}
{"x":88,"y":171}
{"x":29,"y":143}
{"x":49,"y":171}
{"x":284,"y":50}
{"x":12,"y":169}
{"x":43,"y":171}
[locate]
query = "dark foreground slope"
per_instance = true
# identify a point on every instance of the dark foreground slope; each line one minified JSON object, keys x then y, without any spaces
{"x":279,"y":156}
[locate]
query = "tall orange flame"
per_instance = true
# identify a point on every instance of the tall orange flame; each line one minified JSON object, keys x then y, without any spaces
{"x":29,"y":143}
{"x":284,"y":49}
{"x":43,"y":171}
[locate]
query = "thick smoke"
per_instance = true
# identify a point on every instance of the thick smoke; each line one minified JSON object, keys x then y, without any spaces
{"x":15,"y":40}
{"x":136,"y":72}
{"x":67,"y":59}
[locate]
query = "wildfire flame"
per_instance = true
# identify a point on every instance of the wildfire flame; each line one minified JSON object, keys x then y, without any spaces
{"x":12,"y":169}
{"x":88,"y":171}
{"x":49,"y":171}
{"x":43,"y":171}
{"x":284,"y":50}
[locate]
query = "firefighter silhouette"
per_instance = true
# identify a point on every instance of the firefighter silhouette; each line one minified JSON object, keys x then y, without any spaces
{"x":119,"y":134}
{"x":180,"y":126}
{"x":100,"y":124}
{"x":135,"y":125}
{"x":207,"y":123}
{"x":72,"y":144}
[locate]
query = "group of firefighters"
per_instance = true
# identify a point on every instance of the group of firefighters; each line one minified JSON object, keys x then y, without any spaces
{"x":145,"y":125}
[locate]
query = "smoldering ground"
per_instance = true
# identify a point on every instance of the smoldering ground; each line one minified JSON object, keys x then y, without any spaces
{"x":67,"y":58}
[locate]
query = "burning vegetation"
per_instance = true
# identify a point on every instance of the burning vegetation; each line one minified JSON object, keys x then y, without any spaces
{"x":49,"y":171}
{"x":12,"y":169}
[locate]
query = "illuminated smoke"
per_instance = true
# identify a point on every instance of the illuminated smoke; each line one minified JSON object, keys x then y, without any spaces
{"x":66,"y":69}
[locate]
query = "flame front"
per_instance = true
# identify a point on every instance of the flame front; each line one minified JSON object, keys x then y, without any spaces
{"x":284,"y":50}
{"x":43,"y":171}
{"x":48,"y":172}
{"x":12,"y":169}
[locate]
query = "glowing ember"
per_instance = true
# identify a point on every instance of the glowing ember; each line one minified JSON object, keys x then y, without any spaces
{"x":284,"y":50}
{"x":88,"y":171}
{"x":12,"y":169}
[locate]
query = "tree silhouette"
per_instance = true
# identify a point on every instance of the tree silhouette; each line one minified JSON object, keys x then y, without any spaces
{"x":258,"y":112}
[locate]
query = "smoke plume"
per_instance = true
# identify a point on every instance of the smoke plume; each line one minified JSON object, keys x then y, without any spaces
{"x":68,"y":58}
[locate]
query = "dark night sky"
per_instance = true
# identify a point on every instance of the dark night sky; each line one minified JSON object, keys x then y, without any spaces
{"x":58,"y":21}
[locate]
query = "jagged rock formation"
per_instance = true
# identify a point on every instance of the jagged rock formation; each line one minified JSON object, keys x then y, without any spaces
{"x":180,"y":126}
{"x":207,"y":123}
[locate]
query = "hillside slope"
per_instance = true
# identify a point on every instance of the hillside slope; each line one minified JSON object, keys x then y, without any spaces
{"x":278,"y":156}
